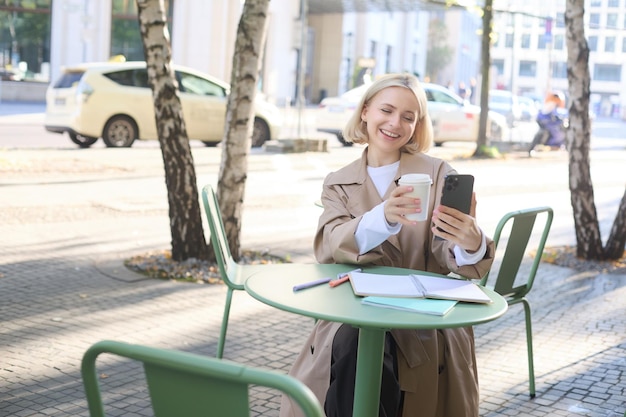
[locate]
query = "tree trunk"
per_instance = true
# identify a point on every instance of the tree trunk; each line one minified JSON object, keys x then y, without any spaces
{"x":180,"y":176}
{"x":247,"y":60}
{"x":617,"y":238}
{"x":482,"y":140}
{"x":588,"y":239}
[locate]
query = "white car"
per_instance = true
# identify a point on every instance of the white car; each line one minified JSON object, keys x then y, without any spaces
{"x":528,"y":109}
{"x":507,"y":104}
{"x":454,"y":119}
{"x":112,"y":100}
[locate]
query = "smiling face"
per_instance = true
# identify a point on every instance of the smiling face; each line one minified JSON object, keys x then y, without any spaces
{"x":391,"y":117}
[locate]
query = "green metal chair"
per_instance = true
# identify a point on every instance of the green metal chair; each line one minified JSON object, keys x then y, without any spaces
{"x":190,"y":385}
{"x":233,"y":274}
{"x":524,"y":223}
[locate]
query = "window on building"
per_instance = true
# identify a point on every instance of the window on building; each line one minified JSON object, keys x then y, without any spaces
{"x":125,"y":34}
{"x":525,"y":41}
{"x":498,"y":64}
{"x":607,"y":72}
{"x":509,"y":40}
{"x":25,"y":39}
{"x":558,"y":42}
{"x":496,"y":39}
{"x":609,"y":44}
{"x":527,"y":68}
{"x":593,"y":43}
{"x":613,"y":3}
{"x":624,"y":44}
{"x":541,"y":41}
{"x":595,"y":3}
{"x":611,"y":21}
{"x":559,"y":70}
{"x":594,"y":20}
{"x":560,"y":20}
{"x":527,"y":21}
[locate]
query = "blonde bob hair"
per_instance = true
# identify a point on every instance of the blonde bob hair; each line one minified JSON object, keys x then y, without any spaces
{"x":356,"y":130}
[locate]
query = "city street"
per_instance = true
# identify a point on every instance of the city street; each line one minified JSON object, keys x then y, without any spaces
{"x":70,"y":216}
{"x":282,"y":187}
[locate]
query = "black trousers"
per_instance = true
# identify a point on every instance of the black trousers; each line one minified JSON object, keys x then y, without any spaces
{"x":541,"y":137}
{"x":340,"y":396}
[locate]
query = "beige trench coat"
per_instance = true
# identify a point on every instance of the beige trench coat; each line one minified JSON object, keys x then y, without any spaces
{"x":437,"y":368}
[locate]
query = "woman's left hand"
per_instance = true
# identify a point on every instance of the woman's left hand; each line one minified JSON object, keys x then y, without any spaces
{"x":458,"y":227}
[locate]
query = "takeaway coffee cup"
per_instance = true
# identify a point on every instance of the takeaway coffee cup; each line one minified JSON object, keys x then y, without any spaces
{"x":421,"y":189}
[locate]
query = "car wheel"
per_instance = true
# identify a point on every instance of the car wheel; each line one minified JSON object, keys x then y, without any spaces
{"x":119,"y":132}
{"x":343,"y":141}
{"x":260,"y":133}
{"x":82,"y":141}
{"x":210,"y":144}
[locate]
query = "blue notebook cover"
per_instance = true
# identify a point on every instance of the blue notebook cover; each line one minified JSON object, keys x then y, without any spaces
{"x":418,"y":305}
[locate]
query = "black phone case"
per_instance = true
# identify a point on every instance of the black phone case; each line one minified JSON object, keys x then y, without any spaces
{"x":457,"y":192}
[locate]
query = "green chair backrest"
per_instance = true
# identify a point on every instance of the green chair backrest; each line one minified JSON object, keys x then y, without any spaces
{"x":521,"y":230}
{"x":225,"y":261}
{"x":185,"y":384}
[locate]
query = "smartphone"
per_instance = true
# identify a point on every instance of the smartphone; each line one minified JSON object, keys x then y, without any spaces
{"x":457,"y":192}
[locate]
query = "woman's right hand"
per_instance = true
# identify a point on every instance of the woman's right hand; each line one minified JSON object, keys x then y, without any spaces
{"x":398,"y":205}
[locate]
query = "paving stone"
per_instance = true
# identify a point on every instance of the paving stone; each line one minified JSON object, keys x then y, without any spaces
{"x":63,"y":287}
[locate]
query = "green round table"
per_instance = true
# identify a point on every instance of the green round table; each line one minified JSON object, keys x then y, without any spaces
{"x":274,"y":286}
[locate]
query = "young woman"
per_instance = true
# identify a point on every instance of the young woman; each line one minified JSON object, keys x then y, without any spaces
{"x":552,"y":121}
{"x":426,"y":373}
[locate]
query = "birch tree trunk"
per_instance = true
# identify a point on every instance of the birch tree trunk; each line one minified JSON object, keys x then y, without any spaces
{"x":614,"y":248}
{"x":180,"y":176}
{"x":589,"y":242}
{"x":588,"y":238}
{"x":247,"y":61}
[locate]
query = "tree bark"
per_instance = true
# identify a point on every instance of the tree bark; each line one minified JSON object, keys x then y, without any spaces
{"x":588,"y":239}
{"x":482,"y":140}
{"x":617,"y":238}
{"x":247,"y":60}
{"x":188,"y":239}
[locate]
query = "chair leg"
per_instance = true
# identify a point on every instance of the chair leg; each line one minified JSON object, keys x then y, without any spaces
{"x":529,"y":342}
{"x":222,"y":339}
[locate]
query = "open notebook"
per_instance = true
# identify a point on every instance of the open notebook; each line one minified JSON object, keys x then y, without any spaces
{"x":415,"y":285}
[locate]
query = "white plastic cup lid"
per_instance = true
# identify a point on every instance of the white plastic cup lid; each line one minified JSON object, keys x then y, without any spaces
{"x":415,"y":178}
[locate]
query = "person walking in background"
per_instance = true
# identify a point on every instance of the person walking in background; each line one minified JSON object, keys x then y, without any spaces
{"x":552,"y":120}
{"x":430,"y":373}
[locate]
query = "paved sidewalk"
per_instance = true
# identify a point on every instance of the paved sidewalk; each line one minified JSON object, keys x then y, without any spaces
{"x":63,"y":287}
{"x":54,"y":307}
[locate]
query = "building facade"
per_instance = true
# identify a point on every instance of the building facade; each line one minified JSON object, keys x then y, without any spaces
{"x":529,"y":53}
{"x":338,"y":48}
